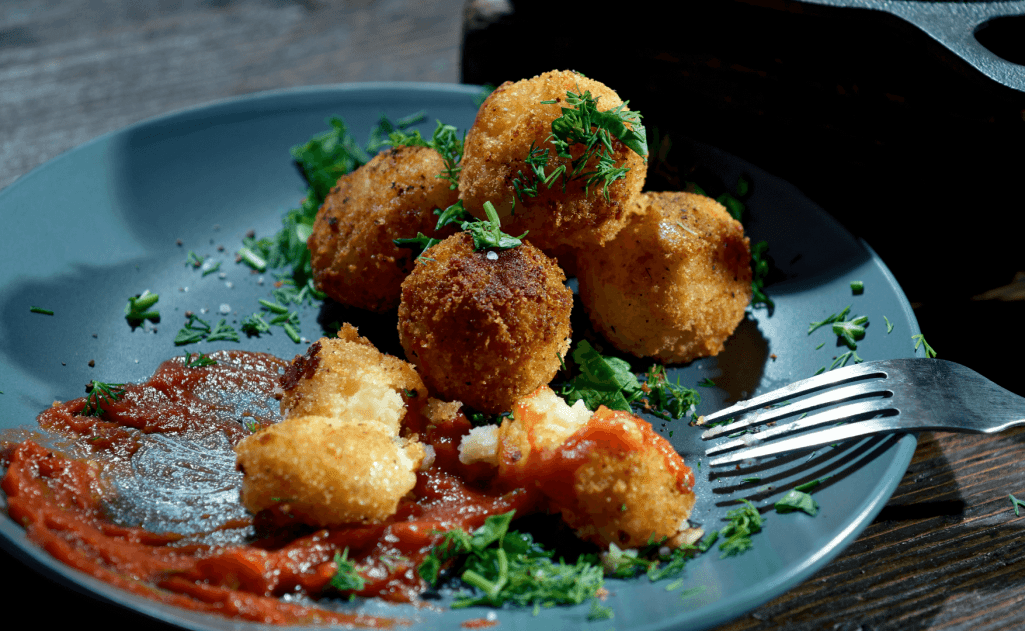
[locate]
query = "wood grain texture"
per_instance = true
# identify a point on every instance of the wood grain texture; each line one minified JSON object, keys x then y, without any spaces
{"x":71,"y":71}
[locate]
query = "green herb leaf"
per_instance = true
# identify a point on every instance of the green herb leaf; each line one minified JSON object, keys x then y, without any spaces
{"x":40,"y":310}
{"x":138,"y":308}
{"x":759,"y":271}
{"x":836,"y":317}
{"x":198,"y":360}
{"x":851,"y":330}
{"x":445,"y":141}
{"x":602,"y":380}
{"x":347,"y":578}
{"x":667,"y":400}
{"x":97,"y":392}
{"x":744,"y":522}
{"x":1016,"y":503}
{"x":488,"y":234}
{"x":796,"y":500}
{"x":919,"y":341}
{"x":889,"y":325}
{"x":857,"y":286}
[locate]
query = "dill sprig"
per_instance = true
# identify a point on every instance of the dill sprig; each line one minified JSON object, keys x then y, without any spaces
{"x":581,"y":124}
{"x":444,"y":140}
{"x":667,"y":400}
{"x":97,"y":392}
{"x":920,"y":341}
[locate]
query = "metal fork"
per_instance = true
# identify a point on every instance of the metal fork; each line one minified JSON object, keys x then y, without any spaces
{"x":891,"y":395}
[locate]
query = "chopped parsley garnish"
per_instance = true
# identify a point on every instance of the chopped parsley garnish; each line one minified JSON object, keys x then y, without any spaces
{"x":796,"y":500}
{"x":602,"y":380}
{"x":40,"y":310}
{"x":138,"y":308}
{"x":668,"y":400}
{"x":503,"y":566}
{"x":744,"y":522}
{"x":347,"y":577}
{"x":97,"y":392}
{"x":920,"y":341}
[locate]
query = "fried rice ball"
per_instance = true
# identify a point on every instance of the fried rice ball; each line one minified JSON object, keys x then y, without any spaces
{"x":674,"y":284}
{"x":339,"y":455}
{"x":485,"y":328}
{"x":354,"y":258}
{"x":509,"y":122}
{"x":609,"y":474}
{"x":348,"y":378}
{"x":328,"y":472}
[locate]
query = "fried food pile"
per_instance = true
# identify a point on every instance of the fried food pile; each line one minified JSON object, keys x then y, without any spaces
{"x":338,"y":456}
{"x":664,"y":275}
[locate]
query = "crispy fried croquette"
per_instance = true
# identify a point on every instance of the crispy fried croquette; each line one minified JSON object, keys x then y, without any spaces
{"x":354,"y":258}
{"x":328,"y":472}
{"x":508,"y":124}
{"x":674,"y":284}
{"x":347,"y":378}
{"x":338,"y":456}
{"x":486,"y":327}
{"x":610,"y":475}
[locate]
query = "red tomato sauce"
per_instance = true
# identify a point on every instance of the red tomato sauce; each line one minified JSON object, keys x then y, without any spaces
{"x":63,"y":501}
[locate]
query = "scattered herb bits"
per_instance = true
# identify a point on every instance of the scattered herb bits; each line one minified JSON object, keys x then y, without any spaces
{"x":857,"y":287}
{"x":40,"y":310}
{"x":139,"y":308}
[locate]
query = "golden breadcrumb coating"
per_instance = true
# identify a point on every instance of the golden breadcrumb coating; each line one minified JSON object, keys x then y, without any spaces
{"x":486,"y":327}
{"x":674,"y":284}
{"x":338,"y":456}
{"x":327,"y":472}
{"x":507,"y":124}
{"x":610,"y":475}
{"x":354,"y":258}
{"x":347,"y":378}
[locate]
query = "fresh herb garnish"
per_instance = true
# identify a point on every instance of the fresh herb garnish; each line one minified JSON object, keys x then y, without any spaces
{"x":488,"y":234}
{"x":744,"y":522}
{"x":602,"y":380}
{"x":851,"y":330}
{"x":829,"y":320}
{"x":857,"y":286}
{"x":444,"y":140}
{"x":889,"y":325}
{"x":668,"y":400}
{"x":919,"y":341}
{"x":1016,"y":503}
{"x":211,"y":269}
{"x":138,"y":308}
{"x":347,"y":577}
{"x":759,"y":270}
{"x":599,"y":611}
{"x":582,"y":124}
{"x":706,"y":383}
{"x":509,"y":567}
{"x":198,"y":360}
{"x":796,"y":500}
{"x":196,"y":330}
{"x":254,"y":325}
{"x":96,"y":392}
{"x":40,"y":310}
{"x":194,"y":259}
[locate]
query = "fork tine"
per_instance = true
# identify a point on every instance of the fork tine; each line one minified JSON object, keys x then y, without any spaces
{"x":799,"y":388}
{"x":828,"y":416}
{"x":761,"y":416}
{"x":809,"y":440}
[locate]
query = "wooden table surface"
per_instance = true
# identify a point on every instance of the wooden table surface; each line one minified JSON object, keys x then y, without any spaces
{"x":946,"y":551}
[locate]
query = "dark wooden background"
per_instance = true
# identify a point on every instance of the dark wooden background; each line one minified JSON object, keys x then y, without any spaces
{"x":910,"y":149}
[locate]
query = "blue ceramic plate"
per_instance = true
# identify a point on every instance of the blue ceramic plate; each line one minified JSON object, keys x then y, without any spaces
{"x":118,"y":215}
